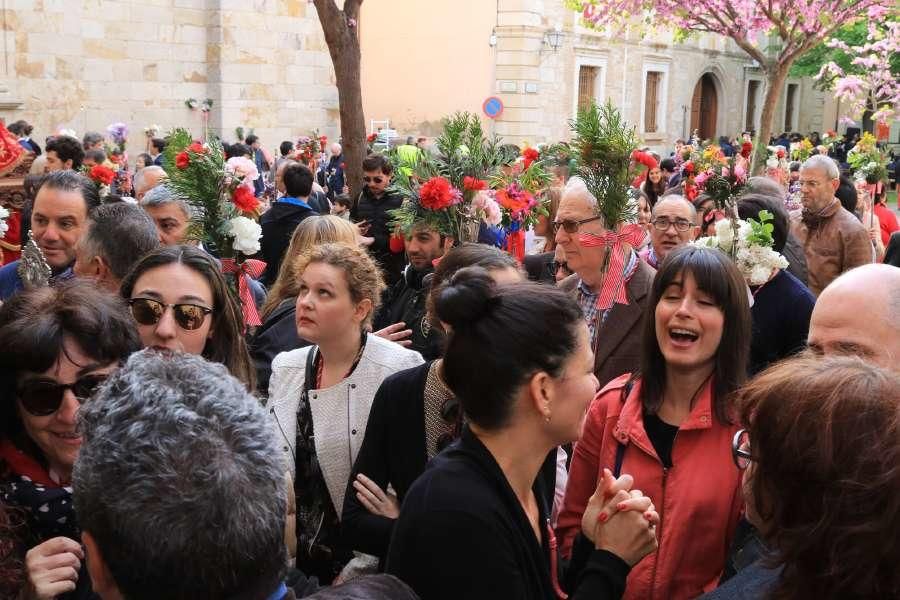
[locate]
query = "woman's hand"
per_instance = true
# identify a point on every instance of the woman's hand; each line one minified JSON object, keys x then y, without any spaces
{"x":626,"y":526}
{"x":52,"y":568}
{"x":396,"y":333}
{"x":375,"y":499}
{"x":607,"y":487}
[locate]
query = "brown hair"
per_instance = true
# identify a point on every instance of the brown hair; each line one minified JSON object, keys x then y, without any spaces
{"x":364,"y":278}
{"x":716,"y":275}
{"x":552,"y":197}
{"x":311,"y":232}
{"x":825,"y":441}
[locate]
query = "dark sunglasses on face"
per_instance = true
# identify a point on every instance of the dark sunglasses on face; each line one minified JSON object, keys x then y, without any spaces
{"x":663,"y":223}
{"x":148,"y":312}
{"x":570,"y":226}
{"x":42,"y":397}
{"x":373,"y":179}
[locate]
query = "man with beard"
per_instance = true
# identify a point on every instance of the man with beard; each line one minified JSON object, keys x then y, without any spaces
{"x":58,"y":220}
{"x":404,"y":303}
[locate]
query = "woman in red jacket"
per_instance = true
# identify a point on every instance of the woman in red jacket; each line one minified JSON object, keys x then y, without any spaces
{"x":670,"y":426}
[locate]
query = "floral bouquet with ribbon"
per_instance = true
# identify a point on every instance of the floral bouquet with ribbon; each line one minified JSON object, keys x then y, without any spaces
{"x":224,"y":206}
{"x":519,"y":192}
{"x":801,"y":150}
{"x":308,"y":148}
{"x":602,"y":144}
{"x":102,"y":176}
{"x":750,"y":246}
{"x":867,"y":161}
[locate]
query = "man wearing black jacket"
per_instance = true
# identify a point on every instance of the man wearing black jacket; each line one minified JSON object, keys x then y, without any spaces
{"x":405,"y":301}
{"x":371,"y":212}
{"x":280,"y":221}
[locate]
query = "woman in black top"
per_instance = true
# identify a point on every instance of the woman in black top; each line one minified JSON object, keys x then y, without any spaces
{"x":414,"y":416}
{"x":476,"y":523}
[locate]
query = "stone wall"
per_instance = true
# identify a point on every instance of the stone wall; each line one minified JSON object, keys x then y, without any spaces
{"x":83,"y":64}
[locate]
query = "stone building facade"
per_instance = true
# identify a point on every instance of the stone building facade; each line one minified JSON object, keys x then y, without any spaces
{"x":83,"y":64}
{"x":542,"y":61}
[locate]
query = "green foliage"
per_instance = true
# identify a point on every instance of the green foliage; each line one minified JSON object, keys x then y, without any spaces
{"x":463,"y":150}
{"x":200,"y":183}
{"x":602,"y":144}
{"x":761,"y":231}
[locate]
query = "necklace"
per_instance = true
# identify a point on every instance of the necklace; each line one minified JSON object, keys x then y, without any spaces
{"x":320,"y":363}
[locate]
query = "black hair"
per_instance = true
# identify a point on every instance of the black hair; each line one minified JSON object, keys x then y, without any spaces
{"x":67,"y":148}
{"x":343,"y":200}
{"x":20,"y":127}
{"x":377,"y":162}
{"x":97,"y":155}
{"x":511,"y":332}
{"x":148,"y":160}
{"x":158,"y":144}
{"x":846,"y":193}
{"x":667,"y":164}
{"x":749,"y":207}
{"x":121,"y":234}
{"x":715,"y":274}
{"x":286,"y":147}
{"x":298,"y":180}
{"x":251,"y":139}
{"x":70,"y":181}
{"x":240,"y":150}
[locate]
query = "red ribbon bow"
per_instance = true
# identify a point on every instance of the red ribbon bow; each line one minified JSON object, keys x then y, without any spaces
{"x":243,"y":272}
{"x":613,"y":289}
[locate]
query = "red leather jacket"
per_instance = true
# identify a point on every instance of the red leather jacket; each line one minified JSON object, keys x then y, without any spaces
{"x":698,"y":499}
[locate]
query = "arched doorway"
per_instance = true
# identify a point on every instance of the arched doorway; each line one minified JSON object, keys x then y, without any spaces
{"x":705,"y":107}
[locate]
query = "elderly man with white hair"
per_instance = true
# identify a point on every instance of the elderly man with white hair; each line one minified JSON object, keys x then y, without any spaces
{"x":833,"y":239}
{"x":859,"y":314}
{"x":146,"y":179}
{"x":334,"y":172}
{"x":615,"y":332}
{"x":170,"y":213}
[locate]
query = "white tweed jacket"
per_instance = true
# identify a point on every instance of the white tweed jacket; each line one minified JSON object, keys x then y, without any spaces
{"x":339,"y":413}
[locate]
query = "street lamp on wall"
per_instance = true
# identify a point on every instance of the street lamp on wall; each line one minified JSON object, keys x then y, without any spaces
{"x":492,"y":41}
{"x":554,"y":38}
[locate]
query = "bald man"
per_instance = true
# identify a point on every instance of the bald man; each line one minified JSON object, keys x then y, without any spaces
{"x":859,"y":314}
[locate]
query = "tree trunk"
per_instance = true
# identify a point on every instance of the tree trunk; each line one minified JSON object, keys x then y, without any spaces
{"x":775,"y":78}
{"x":341,"y":34}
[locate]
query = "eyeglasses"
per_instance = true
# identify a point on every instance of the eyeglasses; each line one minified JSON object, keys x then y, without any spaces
{"x":570,"y":226}
{"x":42,"y":398}
{"x":148,"y":312}
{"x":373,"y":179}
{"x":740,"y":449}
{"x":663,"y":224}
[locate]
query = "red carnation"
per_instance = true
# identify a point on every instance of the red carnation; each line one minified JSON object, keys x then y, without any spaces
{"x":746,"y":149}
{"x":182,"y":160}
{"x":372,"y":138}
{"x":396,"y":244}
{"x":530,"y":155}
{"x":689,"y":168}
{"x":244,"y":199}
{"x":196,"y":148}
{"x":436,"y":194}
{"x":102,"y":174}
{"x":780,"y":153}
{"x":323,"y":141}
{"x":473,"y":184}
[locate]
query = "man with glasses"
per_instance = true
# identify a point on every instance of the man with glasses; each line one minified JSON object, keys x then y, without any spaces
{"x":672,"y":225}
{"x":833,"y":239}
{"x":616,"y":332}
{"x":371,"y":210}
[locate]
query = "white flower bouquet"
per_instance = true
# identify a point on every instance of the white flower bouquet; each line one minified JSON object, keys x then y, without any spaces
{"x":751,"y":249}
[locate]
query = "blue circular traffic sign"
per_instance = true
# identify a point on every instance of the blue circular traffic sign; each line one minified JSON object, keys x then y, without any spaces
{"x":493,"y":107}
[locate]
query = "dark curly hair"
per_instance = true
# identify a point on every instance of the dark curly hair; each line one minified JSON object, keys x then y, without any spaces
{"x":825,"y":440}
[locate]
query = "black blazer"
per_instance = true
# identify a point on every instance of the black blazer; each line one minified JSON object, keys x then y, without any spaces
{"x":393,"y":452}
{"x":462,"y":533}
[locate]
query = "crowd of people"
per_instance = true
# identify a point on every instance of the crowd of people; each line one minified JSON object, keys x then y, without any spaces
{"x":686,"y":398}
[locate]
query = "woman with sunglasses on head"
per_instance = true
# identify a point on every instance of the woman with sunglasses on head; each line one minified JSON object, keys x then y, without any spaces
{"x":180,"y":301}
{"x":670,"y":425}
{"x":476,"y":524}
{"x":414,"y":417}
{"x":819,"y":460}
{"x":320,"y":397}
{"x":57,"y":344}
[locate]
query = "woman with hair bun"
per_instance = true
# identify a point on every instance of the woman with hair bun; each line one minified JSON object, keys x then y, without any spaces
{"x":476,"y":523}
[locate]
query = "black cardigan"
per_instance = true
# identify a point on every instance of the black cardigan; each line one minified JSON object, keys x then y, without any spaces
{"x":462,"y":533}
{"x":393,"y":452}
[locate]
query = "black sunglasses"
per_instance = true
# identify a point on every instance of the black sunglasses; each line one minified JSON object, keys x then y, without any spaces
{"x":373,"y":179}
{"x":148,"y":312}
{"x":570,"y":226}
{"x":42,"y":398}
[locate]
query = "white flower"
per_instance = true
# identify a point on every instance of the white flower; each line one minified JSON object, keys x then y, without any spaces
{"x":759,"y":274}
{"x":772,"y":162}
{"x":724,"y":233}
{"x":246,"y":233}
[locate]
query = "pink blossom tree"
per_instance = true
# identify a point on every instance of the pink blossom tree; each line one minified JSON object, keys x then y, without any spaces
{"x":772,"y":32}
{"x":872,"y":82}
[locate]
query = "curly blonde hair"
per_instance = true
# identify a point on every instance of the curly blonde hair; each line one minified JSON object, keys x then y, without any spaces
{"x":363,"y":276}
{"x":311,"y":232}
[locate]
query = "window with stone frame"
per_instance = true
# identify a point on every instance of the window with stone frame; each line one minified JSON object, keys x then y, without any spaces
{"x":587,"y":83}
{"x":652,"y":85}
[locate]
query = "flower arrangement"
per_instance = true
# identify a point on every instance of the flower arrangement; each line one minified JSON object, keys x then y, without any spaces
{"x":435,"y":205}
{"x":830,"y":137}
{"x":867,"y":161}
{"x":152,"y":131}
{"x":750,"y":246}
{"x":801,"y":150}
{"x":776,"y":157}
{"x":102,"y":176}
{"x":307,"y":147}
{"x":118,"y":133}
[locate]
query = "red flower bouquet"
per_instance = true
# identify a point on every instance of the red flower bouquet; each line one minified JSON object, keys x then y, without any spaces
{"x":182,"y":160}
{"x":244,"y":199}
{"x":101,"y":174}
{"x":530,"y":155}
{"x":437,"y":194}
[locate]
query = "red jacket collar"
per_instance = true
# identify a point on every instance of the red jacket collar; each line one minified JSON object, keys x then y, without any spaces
{"x":22,"y":464}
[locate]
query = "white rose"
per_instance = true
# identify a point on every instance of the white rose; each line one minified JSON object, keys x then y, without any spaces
{"x":246,"y":233}
{"x":760,"y":274}
{"x":724,"y":233}
{"x":772,"y":162}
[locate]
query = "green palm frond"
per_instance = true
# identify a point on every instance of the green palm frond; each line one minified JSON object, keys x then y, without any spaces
{"x":602,"y":144}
